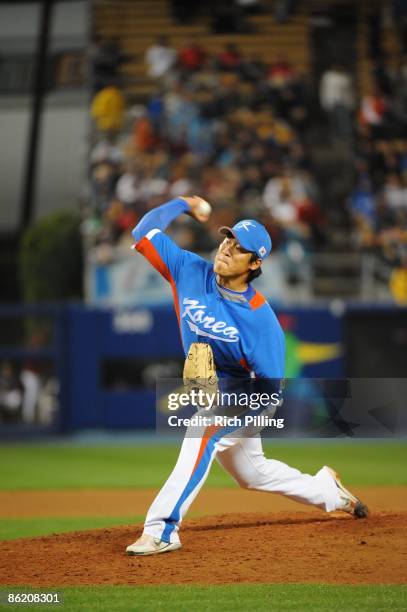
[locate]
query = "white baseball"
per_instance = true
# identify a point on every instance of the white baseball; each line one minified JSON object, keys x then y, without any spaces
{"x":204,"y":207}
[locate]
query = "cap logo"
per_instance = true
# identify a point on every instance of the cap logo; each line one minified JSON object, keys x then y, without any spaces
{"x":245,"y":225}
{"x":262,"y":251}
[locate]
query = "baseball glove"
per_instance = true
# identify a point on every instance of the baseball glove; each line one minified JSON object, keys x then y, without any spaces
{"x":199,"y":368}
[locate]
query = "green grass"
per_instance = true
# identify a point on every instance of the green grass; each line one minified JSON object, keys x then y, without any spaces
{"x":11,"y":529}
{"x":243,"y":597}
{"x":51,"y":467}
{"x":67,"y":467}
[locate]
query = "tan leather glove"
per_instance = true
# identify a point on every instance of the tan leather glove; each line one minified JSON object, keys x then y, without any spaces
{"x":199,"y":368}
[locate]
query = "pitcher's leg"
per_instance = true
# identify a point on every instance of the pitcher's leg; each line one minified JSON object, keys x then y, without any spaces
{"x":246,"y":462}
{"x":189,"y":474}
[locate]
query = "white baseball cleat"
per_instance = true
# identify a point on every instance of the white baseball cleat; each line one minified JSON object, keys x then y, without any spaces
{"x":148,"y":545}
{"x":350,"y":503}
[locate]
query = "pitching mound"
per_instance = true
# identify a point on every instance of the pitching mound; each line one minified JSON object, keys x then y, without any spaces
{"x":233,"y":548}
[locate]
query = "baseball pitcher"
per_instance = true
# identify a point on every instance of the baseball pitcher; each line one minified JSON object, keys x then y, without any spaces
{"x":228,"y":330}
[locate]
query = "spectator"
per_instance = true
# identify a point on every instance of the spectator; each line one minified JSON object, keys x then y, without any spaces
{"x":181,"y":110}
{"x":106,"y":57}
{"x":125,"y":217}
{"x":182,"y":183}
{"x":398,"y":282}
{"x":280,"y":73}
{"x":191,"y":57}
{"x":160,"y":58}
{"x":251,"y":184}
{"x":337,"y":98}
{"x":229,"y":58}
{"x":281,"y":194}
{"x":31,"y":384}
{"x":290,"y":104}
{"x":107,"y":109}
{"x":363,"y":209}
{"x":103,"y":180}
{"x":252,"y":69}
{"x":129,"y":185}
{"x":155,"y":111}
{"x":372,"y":111}
{"x":395,"y":193}
{"x":106,"y":151}
{"x":154,"y":190}
{"x":144,"y":138}
{"x":11,"y":393}
{"x":296,"y":220}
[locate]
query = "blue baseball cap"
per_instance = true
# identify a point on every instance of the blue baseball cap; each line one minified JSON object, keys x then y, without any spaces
{"x":252,"y":236}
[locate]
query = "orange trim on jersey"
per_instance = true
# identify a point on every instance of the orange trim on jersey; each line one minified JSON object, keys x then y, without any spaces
{"x":148,"y":250}
{"x":244,"y":364}
{"x":257,"y":300}
{"x":208,"y":433}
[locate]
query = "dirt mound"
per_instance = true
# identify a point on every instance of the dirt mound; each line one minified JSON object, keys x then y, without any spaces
{"x":130,"y":502}
{"x":232,"y":548}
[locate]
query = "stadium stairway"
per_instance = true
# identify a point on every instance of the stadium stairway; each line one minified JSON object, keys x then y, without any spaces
{"x":363,"y":11}
{"x":389,"y":41}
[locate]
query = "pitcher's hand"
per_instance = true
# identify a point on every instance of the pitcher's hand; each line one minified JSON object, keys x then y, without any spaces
{"x":200,"y":209}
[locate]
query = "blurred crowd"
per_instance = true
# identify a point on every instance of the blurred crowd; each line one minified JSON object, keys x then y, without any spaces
{"x":378,"y":201}
{"x":26,"y":394}
{"x":376,"y":126}
{"x":234,"y":129}
{"x":227,"y":127}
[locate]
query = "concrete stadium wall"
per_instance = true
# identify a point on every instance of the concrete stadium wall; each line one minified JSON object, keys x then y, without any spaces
{"x":62,"y":154}
{"x":19,"y":24}
{"x":62,"y":149}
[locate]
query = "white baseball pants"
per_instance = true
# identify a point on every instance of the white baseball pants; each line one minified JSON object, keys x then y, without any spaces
{"x":244,"y":459}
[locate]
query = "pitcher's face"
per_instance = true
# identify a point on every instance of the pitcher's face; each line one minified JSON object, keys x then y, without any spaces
{"x":232,"y":260}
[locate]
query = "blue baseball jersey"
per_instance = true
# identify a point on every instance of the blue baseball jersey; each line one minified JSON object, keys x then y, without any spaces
{"x":241,"y":328}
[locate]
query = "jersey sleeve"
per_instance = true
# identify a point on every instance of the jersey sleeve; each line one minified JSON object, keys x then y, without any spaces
{"x":151,"y":241}
{"x":166,"y":257}
{"x":268,"y":356}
